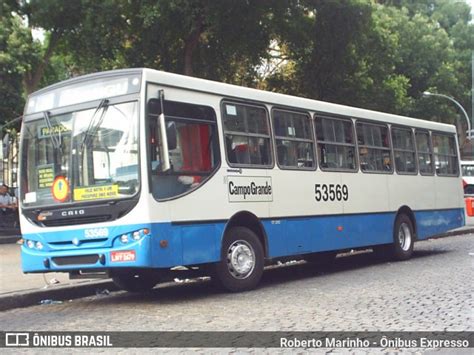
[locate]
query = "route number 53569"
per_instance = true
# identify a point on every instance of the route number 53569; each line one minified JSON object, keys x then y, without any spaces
{"x":331,"y":192}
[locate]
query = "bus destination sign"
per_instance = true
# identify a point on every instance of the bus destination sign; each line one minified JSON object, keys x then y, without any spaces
{"x":249,"y":189}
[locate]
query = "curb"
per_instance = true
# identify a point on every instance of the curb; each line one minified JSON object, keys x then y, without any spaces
{"x":18,"y":299}
{"x":459,"y":231}
{"x":9,"y":239}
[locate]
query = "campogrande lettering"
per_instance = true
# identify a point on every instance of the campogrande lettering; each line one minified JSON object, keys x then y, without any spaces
{"x":250,"y":190}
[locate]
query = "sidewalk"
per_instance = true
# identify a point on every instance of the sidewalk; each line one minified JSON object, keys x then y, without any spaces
{"x":9,"y":235}
{"x":22,"y":290}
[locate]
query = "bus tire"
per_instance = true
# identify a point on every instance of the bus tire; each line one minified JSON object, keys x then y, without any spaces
{"x":403,"y":238}
{"x":242,"y":260}
{"x":135,"y":280}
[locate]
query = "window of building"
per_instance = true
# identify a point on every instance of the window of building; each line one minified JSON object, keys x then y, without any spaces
{"x":445,"y":155}
{"x":374,"y":148}
{"x":336,"y":144}
{"x":404,"y":150}
{"x":247,"y":135}
{"x":425,"y":155}
{"x":294,"y":140}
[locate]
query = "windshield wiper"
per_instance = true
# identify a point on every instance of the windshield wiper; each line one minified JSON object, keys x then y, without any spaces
{"x":93,"y":125}
{"x":56,"y":140}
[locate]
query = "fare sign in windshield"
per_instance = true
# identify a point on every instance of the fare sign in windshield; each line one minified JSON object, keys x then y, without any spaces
{"x":249,"y":189}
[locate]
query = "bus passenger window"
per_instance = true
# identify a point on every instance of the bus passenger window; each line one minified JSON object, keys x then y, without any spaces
{"x":445,"y":156}
{"x":425,"y":154}
{"x":196,"y":153}
{"x":294,"y":140}
{"x":247,"y":135}
{"x":404,"y":150}
{"x":374,"y":148}
{"x":336,"y":145}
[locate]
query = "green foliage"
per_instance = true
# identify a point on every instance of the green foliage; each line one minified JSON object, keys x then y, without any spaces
{"x":376,"y":54}
{"x":17,"y":52}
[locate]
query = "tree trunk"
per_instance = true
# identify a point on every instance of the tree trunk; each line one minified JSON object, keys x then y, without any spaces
{"x":191,"y":44}
{"x":33,"y":78}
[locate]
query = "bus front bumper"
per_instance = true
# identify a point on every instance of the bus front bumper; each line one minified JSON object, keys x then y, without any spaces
{"x":136,"y":254}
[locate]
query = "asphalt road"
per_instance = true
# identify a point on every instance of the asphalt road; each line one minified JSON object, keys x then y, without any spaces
{"x":431,"y":292}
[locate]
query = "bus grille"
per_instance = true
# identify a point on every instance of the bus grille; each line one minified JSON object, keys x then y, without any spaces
{"x":75,"y":220}
{"x":67,"y":244}
{"x":76,"y":260}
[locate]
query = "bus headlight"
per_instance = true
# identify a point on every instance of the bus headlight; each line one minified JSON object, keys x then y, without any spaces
{"x":39,"y":245}
{"x":136,"y":235}
{"x":124,"y":238}
{"x":30,"y":244}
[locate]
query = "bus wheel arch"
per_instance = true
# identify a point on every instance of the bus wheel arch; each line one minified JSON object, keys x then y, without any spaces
{"x":248,"y":220}
{"x":407,"y":211}
{"x":242,"y":255}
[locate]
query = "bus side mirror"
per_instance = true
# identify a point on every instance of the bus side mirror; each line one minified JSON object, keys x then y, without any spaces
{"x":154,"y":107}
{"x":171,"y":135}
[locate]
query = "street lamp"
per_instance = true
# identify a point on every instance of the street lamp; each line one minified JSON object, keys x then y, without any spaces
{"x":427,"y":93}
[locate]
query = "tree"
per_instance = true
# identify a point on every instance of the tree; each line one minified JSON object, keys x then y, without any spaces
{"x":338,"y":52}
{"x":221,"y":40}
{"x":17,"y":51}
{"x":378,"y":56}
{"x":443,"y":63}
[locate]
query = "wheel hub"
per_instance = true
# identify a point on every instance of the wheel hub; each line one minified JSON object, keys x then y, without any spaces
{"x":404,"y":236}
{"x":240,"y":259}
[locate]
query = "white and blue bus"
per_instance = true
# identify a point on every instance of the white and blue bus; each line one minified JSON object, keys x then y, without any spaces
{"x":136,"y":173}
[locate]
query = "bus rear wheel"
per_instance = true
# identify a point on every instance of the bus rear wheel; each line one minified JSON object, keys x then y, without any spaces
{"x":403,"y":238}
{"x":135,"y":280}
{"x":241,"y":264}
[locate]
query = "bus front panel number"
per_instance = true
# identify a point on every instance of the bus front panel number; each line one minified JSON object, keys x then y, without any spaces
{"x":331,"y":192}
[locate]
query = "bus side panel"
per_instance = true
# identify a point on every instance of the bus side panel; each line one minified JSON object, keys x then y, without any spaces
{"x":187,"y":244}
{"x":431,"y":223}
{"x":170,"y":255}
{"x":369,"y":229}
{"x":276,"y":237}
{"x":323,"y":233}
{"x":201,"y":243}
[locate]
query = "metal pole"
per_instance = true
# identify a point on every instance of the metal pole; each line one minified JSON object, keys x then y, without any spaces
{"x":427,"y":93}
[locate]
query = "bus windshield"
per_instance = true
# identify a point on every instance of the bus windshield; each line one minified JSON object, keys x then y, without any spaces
{"x":81,"y":156}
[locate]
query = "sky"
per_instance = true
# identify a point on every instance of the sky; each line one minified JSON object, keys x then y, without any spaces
{"x":471,"y":3}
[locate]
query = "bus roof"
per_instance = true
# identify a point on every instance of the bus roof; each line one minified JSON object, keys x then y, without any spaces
{"x":255,"y":95}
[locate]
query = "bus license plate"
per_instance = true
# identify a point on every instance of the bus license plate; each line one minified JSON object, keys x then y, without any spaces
{"x":122,"y":256}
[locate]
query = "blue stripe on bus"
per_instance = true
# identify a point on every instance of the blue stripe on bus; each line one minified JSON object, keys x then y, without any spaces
{"x":190,"y":244}
{"x":431,"y":223}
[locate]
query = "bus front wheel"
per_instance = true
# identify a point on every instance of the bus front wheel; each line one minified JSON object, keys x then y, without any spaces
{"x":241,"y":264}
{"x":135,"y":280}
{"x":403,"y":238}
